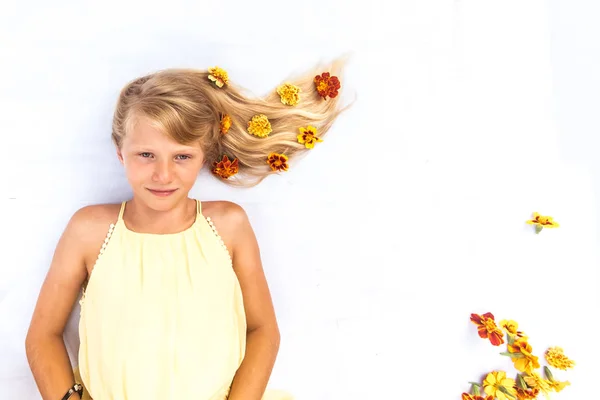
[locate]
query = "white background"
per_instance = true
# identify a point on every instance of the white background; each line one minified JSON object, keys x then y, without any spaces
{"x":470,"y":115}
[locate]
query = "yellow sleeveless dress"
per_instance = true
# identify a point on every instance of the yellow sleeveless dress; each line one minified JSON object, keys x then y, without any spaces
{"x":162,"y":317}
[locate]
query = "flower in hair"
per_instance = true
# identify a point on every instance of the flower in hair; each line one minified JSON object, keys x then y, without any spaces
{"x":308,"y":137}
{"x":259,"y":126}
{"x":278,"y":162}
{"x":289,"y":94}
{"x":327,"y":85}
{"x":225,"y":168}
{"x":225,"y":123}
{"x":219,"y":76}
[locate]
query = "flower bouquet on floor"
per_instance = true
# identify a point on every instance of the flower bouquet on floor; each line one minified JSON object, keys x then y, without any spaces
{"x":529,"y":381}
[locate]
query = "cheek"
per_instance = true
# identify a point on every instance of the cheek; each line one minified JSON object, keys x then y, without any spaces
{"x":136,"y":171}
{"x":189,"y":173}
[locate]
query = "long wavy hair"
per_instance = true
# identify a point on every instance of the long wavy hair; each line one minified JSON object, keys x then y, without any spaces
{"x":188,"y":106}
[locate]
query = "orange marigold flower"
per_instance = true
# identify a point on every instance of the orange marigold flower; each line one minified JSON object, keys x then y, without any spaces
{"x":327,"y":85}
{"x":289,"y":94}
{"x":486,"y":327}
{"x":308,"y":137}
{"x":467,"y":396}
{"x":557,"y":358}
{"x":219,"y":76}
{"x":278,"y":162}
{"x":259,"y":126}
{"x":225,"y":168}
{"x":525,"y":361}
{"x":225,"y":123}
{"x":527,"y":394}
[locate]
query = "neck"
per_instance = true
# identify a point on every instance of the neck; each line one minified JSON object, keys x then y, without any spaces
{"x":142,"y":218}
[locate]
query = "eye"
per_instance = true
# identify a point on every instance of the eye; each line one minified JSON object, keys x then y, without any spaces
{"x":146,"y":155}
{"x":183,"y":157}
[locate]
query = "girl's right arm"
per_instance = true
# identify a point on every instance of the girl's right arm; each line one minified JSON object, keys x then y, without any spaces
{"x":45,"y":347}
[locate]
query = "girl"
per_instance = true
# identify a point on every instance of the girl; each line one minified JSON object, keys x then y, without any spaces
{"x":174,"y":302}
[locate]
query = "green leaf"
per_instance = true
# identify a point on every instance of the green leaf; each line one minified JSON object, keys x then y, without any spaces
{"x":521,"y":382}
{"x":548,"y":374}
{"x":510,"y":338}
{"x":506,"y":392}
{"x":512,"y":355}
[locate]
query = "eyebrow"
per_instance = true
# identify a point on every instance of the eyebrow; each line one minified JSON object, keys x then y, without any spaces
{"x":142,"y":147}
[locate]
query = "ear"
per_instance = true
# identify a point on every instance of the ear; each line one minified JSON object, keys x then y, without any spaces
{"x":120,"y":155}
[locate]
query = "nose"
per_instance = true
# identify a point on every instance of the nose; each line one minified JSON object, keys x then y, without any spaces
{"x":163,"y":172}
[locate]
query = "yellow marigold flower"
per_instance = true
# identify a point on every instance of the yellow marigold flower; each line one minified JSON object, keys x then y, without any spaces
{"x":511,"y":328}
{"x":557,"y":386}
{"x":535,"y":381}
{"x":541,"y":221}
{"x":496,"y":384}
{"x":259,"y":126}
{"x":525,"y":361}
{"x":308,"y":137}
{"x":556,"y":358}
{"x":289,"y":94}
{"x":225,"y":168}
{"x":278,"y":162}
{"x":225,"y":123}
{"x":219,"y":76}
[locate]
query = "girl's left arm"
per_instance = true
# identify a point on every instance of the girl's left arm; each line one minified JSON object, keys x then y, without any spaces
{"x":262,"y":340}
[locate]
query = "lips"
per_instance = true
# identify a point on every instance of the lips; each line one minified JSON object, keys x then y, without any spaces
{"x":162,"y":192}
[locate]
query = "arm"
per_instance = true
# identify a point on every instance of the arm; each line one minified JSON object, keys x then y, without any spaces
{"x":262,"y":343}
{"x":44,"y":345}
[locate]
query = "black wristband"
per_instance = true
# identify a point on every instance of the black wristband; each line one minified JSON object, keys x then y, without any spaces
{"x":75,"y":388}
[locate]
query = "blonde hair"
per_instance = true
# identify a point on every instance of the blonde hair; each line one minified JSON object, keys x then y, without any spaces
{"x":188,"y":107}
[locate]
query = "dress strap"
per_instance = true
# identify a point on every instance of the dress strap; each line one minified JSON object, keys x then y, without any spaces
{"x":198,"y":207}
{"x":122,"y":211}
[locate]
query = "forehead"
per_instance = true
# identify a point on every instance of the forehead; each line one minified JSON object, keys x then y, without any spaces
{"x":144,"y":132}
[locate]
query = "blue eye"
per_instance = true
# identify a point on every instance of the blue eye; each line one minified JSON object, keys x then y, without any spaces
{"x":184,"y":157}
{"x":146,"y":155}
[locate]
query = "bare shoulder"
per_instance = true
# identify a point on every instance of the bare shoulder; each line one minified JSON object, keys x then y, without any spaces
{"x":226,"y":212}
{"x":90,"y":225}
{"x":230,"y":219}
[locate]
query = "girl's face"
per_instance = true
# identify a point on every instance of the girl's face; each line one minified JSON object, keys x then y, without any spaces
{"x":160,"y":171}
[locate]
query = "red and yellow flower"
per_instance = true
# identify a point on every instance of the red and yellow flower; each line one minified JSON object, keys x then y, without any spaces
{"x":278,"y":162}
{"x":327,"y":85}
{"x":527,"y":394}
{"x":542,"y":221}
{"x":467,"y":396}
{"x":487,"y":328}
{"x":225,"y":168}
